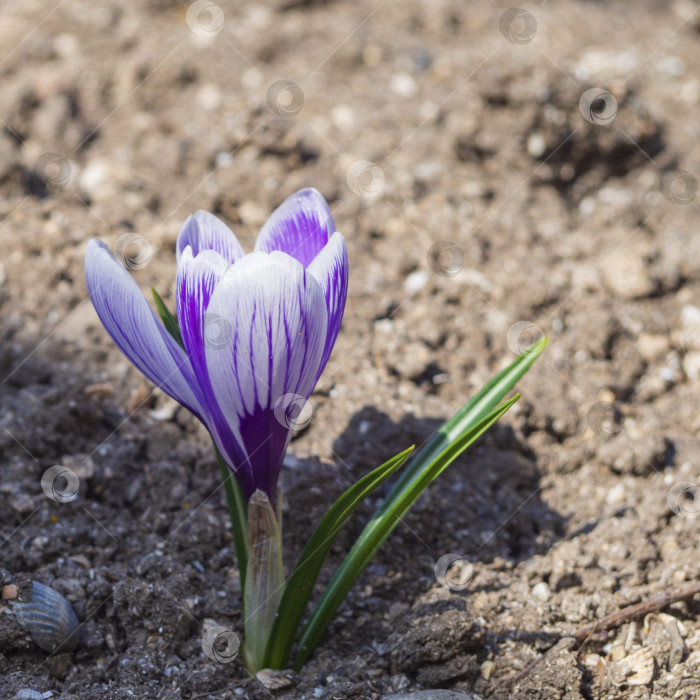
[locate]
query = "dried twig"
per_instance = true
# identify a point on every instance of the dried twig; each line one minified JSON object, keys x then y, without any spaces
{"x":653,"y":604}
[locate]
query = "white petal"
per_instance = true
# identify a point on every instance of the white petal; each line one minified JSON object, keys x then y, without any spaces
{"x":204,"y":231}
{"x":330,"y":269}
{"x":196,"y":279}
{"x":133,"y":326}
{"x":269,"y":321}
{"x":300,"y":226}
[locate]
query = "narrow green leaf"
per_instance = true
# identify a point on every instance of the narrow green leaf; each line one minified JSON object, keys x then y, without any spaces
{"x":379,"y":528}
{"x":169,"y":321}
{"x":474,"y":418}
{"x":301,"y":582}
{"x":238,"y":515}
{"x":475,"y":410}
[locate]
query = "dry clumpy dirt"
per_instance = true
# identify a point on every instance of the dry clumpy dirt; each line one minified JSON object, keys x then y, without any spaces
{"x":121,"y":118}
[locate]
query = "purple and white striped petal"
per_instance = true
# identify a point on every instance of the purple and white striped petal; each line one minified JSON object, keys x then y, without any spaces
{"x":204,"y":231}
{"x":300,"y":227}
{"x":330,"y":268}
{"x":133,"y":326}
{"x":272,"y":322}
{"x":194,"y":285}
{"x":196,"y":279}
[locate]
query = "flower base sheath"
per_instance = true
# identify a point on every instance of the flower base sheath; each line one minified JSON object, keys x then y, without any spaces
{"x":257,"y":329}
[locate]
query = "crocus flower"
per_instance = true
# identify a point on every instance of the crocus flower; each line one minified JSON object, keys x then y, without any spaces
{"x":257,"y":329}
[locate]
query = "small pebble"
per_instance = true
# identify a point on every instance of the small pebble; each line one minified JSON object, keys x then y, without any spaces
{"x":536,"y":145}
{"x":403,"y":85}
{"x":209,"y":96}
{"x":626,"y":275}
{"x":399,"y":682}
{"x":415,"y":281}
{"x":616,"y":495}
{"x":22,"y":503}
{"x":652,"y":347}
{"x":252,"y":214}
{"x":486,"y":669}
{"x":690,"y":327}
{"x":274,"y":680}
{"x":422,"y":59}
{"x":396,"y":610}
{"x":80,"y":560}
{"x":10,"y":592}
{"x":635,"y":669}
{"x":94,"y":176}
{"x":81,"y":464}
{"x":343,"y":117}
{"x":541,"y":591}
{"x":167,"y":408}
{"x":691,"y":364}
{"x":101,"y":390}
{"x":412,"y":361}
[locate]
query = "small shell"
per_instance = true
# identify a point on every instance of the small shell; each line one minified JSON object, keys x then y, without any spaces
{"x":49,"y":618}
{"x":635,"y":669}
{"x":30,"y":694}
{"x":617,"y":652}
{"x":672,"y":631}
{"x":274,"y":680}
{"x":486,"y":669}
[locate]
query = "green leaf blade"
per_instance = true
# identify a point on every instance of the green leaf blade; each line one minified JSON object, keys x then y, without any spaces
{"x":381,"y":525}
{"x":169,"y":321}
{"x":301,"y":582}
{"x":477,"y":408}
{"x":238,"y":516}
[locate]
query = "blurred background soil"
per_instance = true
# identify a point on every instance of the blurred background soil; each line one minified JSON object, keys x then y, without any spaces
{"x":486,"y":196}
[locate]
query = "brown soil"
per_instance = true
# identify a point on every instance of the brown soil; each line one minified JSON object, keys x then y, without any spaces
{"x":119,"y":119}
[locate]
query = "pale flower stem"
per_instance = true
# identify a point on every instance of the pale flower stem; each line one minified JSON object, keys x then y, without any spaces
{"x":265,"y":578}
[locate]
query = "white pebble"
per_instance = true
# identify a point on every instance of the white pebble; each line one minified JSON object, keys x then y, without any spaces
{"x":343,"y":117}
{"x":209,"y":96}
{"x":415,"y":281}
{"x":690,"y":326}
{"x":403,"y":85}
{"x":94,"y":175}
{"x":536,"y":145}
{"x":616,"y":495}
{"x":691,"y":364}
{"x":541,"y":591}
